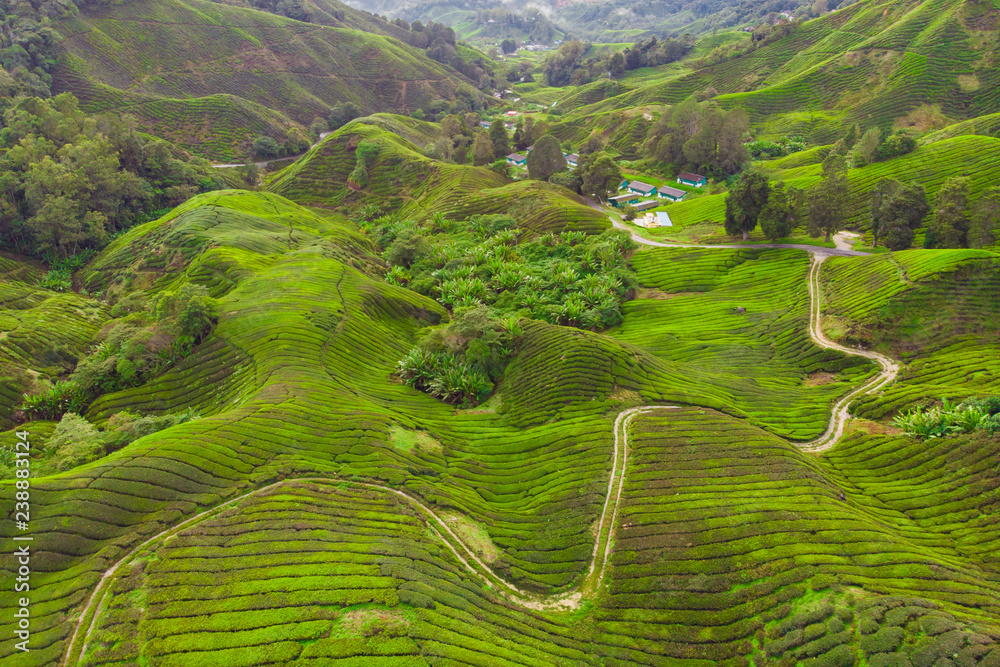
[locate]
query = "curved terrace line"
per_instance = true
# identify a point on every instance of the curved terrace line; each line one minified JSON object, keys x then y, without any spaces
{"x":591,"y":582}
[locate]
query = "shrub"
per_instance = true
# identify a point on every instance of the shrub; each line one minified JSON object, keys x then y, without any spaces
{"x":365,"y":155}
{"x":190,"y":310}
{"x":965,"y":417}
{"x":74,"y":442}
{"x":57,"y":281}
{"x":265,"y":147}
{"x":52,"y":403}
{"x":126,"y":427}
{"x":460,"y":362}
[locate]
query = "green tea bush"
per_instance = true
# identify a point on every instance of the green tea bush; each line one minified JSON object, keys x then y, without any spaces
{"x":886,"y":640}
{"x":57,"y":281}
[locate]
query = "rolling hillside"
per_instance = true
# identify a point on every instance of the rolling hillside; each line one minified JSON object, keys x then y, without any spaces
{"x":257,"y":437}
{"x":405,"y":181}
{"x":211,"y":76}
{"x":731,"y":545}
{"x":872,"y":63}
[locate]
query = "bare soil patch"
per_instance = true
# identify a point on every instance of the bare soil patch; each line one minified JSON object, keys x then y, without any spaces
{"x":819,"y":378}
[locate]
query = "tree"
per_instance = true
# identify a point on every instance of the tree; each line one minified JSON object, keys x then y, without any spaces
{"x":501,"y":167}
{"x":408,"y":247}
{"x":617,"y":64}
{"x":745,"y":201}
{"x":985,"y":219}
{"x":545,"y":158}
{"x":866,"y":149}
{"x":629,"y":213}
{"x":899,"y":143}
{"x":499,"y":139}
{"x":776,"y":217}
{"x":317,"y":127}
{"x":508,"y":46}
{"x":600,"y":175}
{"x":251,"y":174}
{"x":343,"y":113}
{"x":895,"y":210}
{"x":265,"y":147}
{"x":844,"y":145}
{"x":482,"y":150}
{"x":828,"y":199}
{"x":594,"y":143}
{"x":568,"y":179}
{"x":950,"y":226}
{"x":519,"y":142}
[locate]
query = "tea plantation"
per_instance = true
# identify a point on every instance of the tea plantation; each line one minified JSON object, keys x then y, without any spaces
{"x":383,"y":407}
{"x":321,"y":512}
{"x":211,"y":76}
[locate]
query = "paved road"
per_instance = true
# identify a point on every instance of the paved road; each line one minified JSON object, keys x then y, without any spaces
{"x":818,"y":250}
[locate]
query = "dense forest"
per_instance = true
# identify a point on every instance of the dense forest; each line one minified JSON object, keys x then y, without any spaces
{"x":71,"y":180}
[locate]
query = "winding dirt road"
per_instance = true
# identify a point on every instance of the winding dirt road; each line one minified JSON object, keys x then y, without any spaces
{"x":591,"y":582}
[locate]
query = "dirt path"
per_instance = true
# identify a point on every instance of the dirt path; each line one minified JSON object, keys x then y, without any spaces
{"x":890,"y":367}
{"x":567,"y":600}
{"x":845,"y":240}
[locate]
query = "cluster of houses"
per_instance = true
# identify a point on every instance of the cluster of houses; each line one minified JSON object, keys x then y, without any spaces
{"x":519,"y":160}
{"x":635,"y":192}
{"x":639,"y":195}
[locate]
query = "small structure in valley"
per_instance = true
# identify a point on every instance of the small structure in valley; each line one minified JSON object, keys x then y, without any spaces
{"x":620,"y":201}
{"x":687,"y":178}
{"x":646,"y":205}
{"x":517,"y":159}
{"x":640,"y":188}
{"x":572,"y":159}
{"x":673,"y":194}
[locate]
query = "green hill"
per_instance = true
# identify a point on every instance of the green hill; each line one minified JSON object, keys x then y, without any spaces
{"x":871,"y":62}
{"x":405,"y":181}
{"x":212,"y":76}
{"x":244,"y":475}
{"x":937,"y":310}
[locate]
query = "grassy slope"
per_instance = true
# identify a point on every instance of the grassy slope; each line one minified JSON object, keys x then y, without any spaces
{"x":686,"y":344}
{"x":212,"y":76}
{"x":404,"y":180}
{"x":311,"y":340}
{"x":936,"y":310}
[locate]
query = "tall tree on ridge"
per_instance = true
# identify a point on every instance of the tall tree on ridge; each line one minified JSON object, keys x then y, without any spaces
{"x":745,"y":201}
{"x":828,"y":199}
